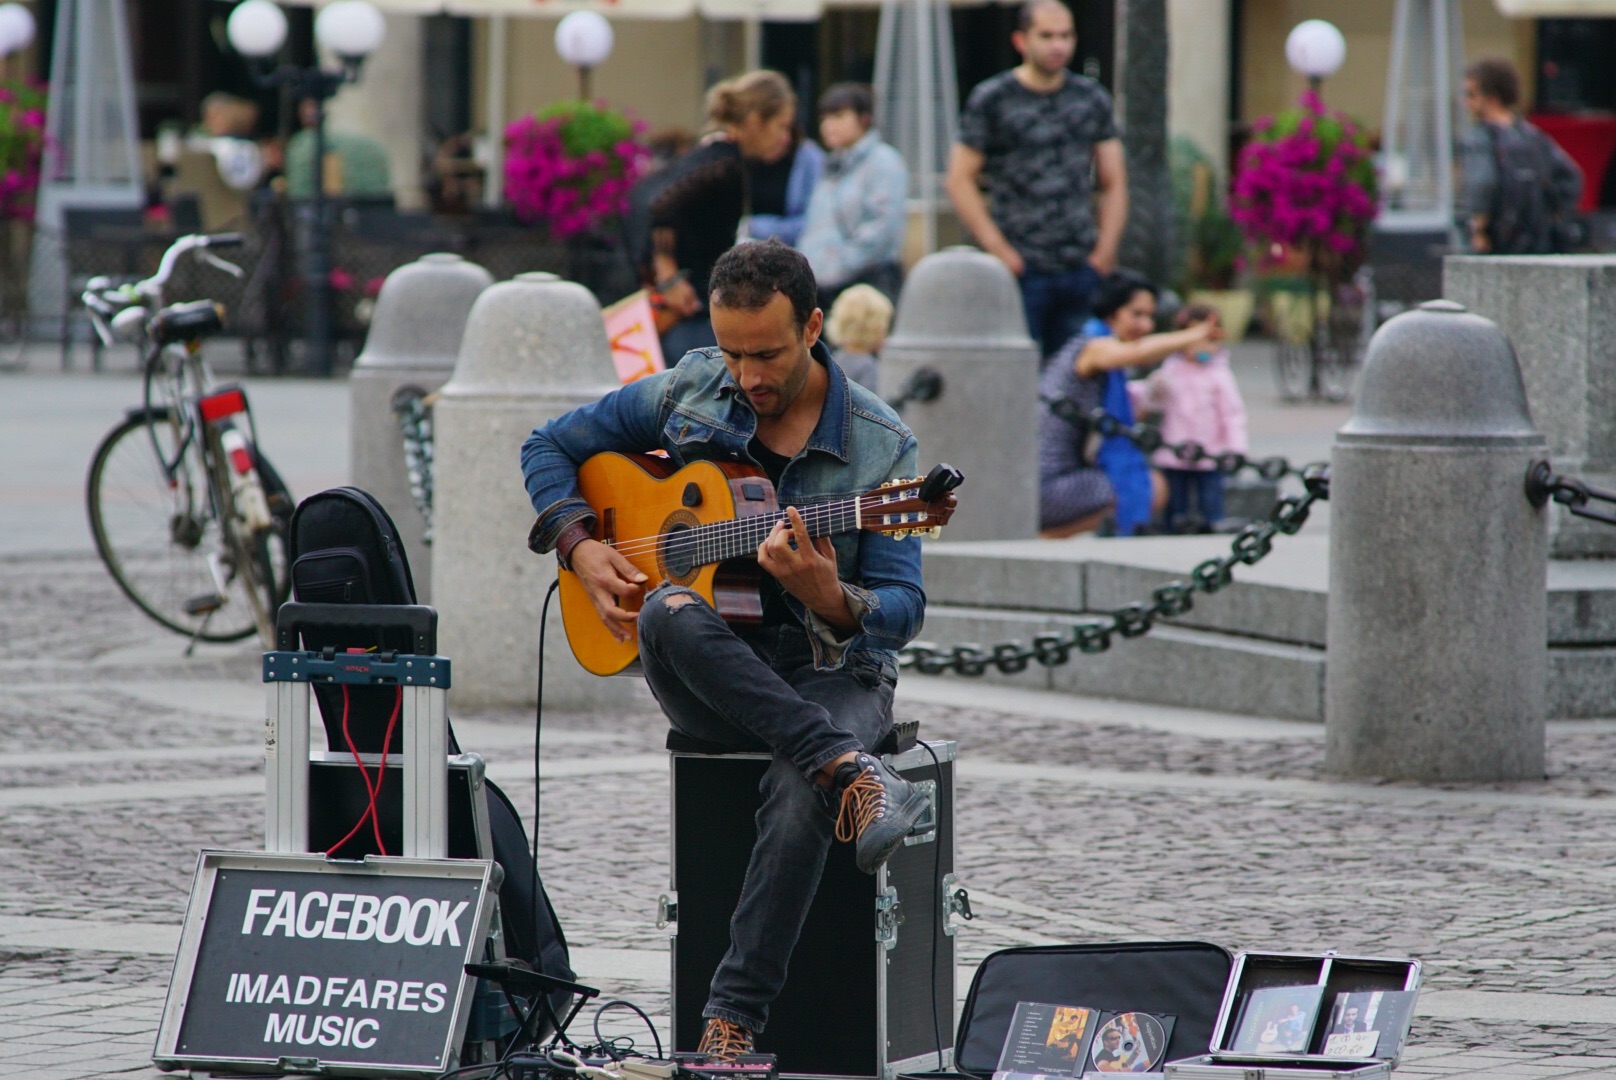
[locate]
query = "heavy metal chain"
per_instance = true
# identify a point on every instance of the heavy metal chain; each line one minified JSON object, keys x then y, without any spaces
{"x":413,"y":407}
{"x":1571,"y":492}
{"x":1250,"y":545}
{"x":1149,"y":439}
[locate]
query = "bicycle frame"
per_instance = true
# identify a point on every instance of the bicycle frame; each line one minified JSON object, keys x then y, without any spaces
{"x":211,"y":471}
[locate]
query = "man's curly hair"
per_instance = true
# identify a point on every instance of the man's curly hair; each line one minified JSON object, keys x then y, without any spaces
{"x":748,"y":275}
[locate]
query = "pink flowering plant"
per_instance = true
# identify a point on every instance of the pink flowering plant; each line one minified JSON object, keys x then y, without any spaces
{"x":571,"y":165}
{"x":22,"y":145}
{"x":1306,"y":182}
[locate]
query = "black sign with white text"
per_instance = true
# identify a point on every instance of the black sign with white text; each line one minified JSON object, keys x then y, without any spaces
{"x":358,"y":968}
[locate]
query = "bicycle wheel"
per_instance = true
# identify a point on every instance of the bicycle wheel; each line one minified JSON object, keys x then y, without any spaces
{"x":1341,"y":347}
{"x":1294,"y":364}
{"x":162,"y":541}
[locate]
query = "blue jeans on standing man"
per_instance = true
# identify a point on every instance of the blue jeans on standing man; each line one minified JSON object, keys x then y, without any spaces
{"x":759,"y":689}
{"x":1057,"y":304}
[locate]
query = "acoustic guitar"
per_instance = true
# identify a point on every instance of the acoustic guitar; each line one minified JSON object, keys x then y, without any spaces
{"x":700,"y":526}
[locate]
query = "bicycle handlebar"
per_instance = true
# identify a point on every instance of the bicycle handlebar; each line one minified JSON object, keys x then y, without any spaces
{"x":103,"y":303}
{"x":171,"y":257}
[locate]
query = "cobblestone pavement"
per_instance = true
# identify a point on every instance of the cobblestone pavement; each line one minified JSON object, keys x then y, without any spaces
{"x":1077,"y":821}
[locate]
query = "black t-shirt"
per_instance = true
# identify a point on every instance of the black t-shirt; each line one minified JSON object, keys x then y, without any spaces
{"x":767,"y":184}
{"x":775,"y":611}
{"x":1038,"y":152}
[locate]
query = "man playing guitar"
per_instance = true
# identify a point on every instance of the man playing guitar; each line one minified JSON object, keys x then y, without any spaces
{"x":813,"y":681}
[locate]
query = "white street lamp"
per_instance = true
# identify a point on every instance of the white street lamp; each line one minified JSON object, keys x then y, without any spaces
{"x":1315,"y":49}
{"x":353,"y":29}
{"x":256,"y":28}
{"x":584,"y":39}
{"x":16,"y":28}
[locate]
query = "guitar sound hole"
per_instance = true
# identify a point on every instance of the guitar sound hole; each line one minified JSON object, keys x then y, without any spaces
{"x":678,"y":553}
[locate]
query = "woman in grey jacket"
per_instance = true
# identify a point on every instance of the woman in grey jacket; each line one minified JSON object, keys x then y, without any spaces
{"x":857,"y":217}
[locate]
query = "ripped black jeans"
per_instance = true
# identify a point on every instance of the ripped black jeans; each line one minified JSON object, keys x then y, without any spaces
{"x":758,"y":690}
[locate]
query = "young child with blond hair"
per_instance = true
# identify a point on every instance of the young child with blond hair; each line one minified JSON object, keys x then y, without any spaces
{"x":858,"y":325}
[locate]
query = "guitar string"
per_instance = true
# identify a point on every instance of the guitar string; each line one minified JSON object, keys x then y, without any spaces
{"x":828,"y":515}
{"x":836,"y":516}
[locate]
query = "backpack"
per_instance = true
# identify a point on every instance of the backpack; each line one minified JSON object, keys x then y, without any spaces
{"x":345,"y":549}
{"x":1535,"y":195}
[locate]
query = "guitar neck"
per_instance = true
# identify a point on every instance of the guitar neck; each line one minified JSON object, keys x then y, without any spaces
{"x":738,"y":537}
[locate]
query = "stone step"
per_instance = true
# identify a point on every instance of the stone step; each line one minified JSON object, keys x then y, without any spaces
{"x":1281,"y":599}
{"x":1223,"y":672}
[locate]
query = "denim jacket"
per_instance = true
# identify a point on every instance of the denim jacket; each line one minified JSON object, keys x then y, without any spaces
{"x":696,"y":412}
{"x":858,"y":215}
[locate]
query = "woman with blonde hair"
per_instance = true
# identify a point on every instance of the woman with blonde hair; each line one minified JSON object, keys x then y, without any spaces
{"x":858,"y":325}
{"x":698,"y":212}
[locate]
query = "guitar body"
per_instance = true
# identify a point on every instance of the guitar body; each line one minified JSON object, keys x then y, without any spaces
{"x":636,"y":496}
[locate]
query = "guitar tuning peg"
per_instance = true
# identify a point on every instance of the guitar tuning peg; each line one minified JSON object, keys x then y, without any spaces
{"x":932,"y":533}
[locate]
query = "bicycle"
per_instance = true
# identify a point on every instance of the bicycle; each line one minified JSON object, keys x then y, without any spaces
{"x":189,"y":518}
{"x":1323,"y":337}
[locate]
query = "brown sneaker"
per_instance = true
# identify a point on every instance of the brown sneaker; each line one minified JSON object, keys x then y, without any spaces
{"x":724,"y":1040}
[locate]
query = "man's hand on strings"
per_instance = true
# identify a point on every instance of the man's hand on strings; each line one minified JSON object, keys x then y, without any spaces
{"x":609,"y":579}
{"x":806,"y":568}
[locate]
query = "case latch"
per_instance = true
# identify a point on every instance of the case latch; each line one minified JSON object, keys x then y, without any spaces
{"x":956,"y":902}
{"x":667,"y":911}
{"x":925,"y":830}
{"x":888,"y":917}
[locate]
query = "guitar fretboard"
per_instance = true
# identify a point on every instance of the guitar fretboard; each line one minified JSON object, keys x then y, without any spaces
{"x":733,"y":539}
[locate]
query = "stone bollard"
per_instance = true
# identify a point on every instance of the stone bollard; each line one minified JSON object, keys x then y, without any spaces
{"x":1437,"y":654}
{"x":960,"y":315}
{"x":535,"y":347}
{"x":1559,"y":311}
{"x":413,"y":341}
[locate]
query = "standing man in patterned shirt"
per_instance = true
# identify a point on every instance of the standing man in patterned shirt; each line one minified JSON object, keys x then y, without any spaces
{"x":1035,"y":134}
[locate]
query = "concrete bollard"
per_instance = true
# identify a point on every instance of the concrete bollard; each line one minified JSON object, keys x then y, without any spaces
{"x":413,"y":341}
{"x":960,"y":315}
{"x":1559,"y":312}
{"x":1437,"y":654}
{"x":534,"y":348}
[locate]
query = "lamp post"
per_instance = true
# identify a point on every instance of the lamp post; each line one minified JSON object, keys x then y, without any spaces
{"x":1316,"y":50}
{"x":584,"y":39}
{"x":16,"y":33}
{"x":352,"y":29}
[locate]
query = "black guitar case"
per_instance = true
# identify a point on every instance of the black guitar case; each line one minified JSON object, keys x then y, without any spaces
{"x":1183,"y":979}
{"x":345,"y":550}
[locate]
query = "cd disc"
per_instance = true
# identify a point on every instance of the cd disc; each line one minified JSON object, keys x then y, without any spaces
{"x":1132,"y":1042}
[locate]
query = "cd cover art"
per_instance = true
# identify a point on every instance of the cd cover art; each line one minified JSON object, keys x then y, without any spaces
{"x":1369,"y":1023}
{"x":1277,"y":1020}
{"x":1047,"y":1040}
{"x":1131,"y":1042}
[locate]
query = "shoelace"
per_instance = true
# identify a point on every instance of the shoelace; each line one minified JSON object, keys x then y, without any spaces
{"x":723,"y":1039}
{"x":863,"y":800}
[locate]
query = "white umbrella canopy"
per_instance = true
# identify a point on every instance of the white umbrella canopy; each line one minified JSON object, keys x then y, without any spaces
{"x":553,"y":9}
{"x":1545,"y":9}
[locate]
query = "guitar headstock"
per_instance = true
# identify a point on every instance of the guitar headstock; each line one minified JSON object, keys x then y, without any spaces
{"x":914,"y":506}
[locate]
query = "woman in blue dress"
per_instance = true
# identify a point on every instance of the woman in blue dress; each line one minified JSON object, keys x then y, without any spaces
{"x":1082,"y":478}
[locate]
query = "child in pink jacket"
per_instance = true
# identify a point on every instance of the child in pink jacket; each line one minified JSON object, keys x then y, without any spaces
{"x":1199,"y":402}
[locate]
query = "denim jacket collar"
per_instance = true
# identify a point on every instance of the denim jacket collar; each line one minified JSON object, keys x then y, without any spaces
{"x":835,"y":427}
{"x":850,"y":158}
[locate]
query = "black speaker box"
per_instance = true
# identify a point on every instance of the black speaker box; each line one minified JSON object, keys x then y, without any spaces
{"x":870,"y":991}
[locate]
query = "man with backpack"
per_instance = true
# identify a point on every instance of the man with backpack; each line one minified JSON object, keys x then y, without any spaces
{"x":1521,"y":189}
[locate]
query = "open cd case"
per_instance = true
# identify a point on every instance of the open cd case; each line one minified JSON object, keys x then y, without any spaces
{"x":1067,"y":1041}
{"x":1312,"y":1009}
